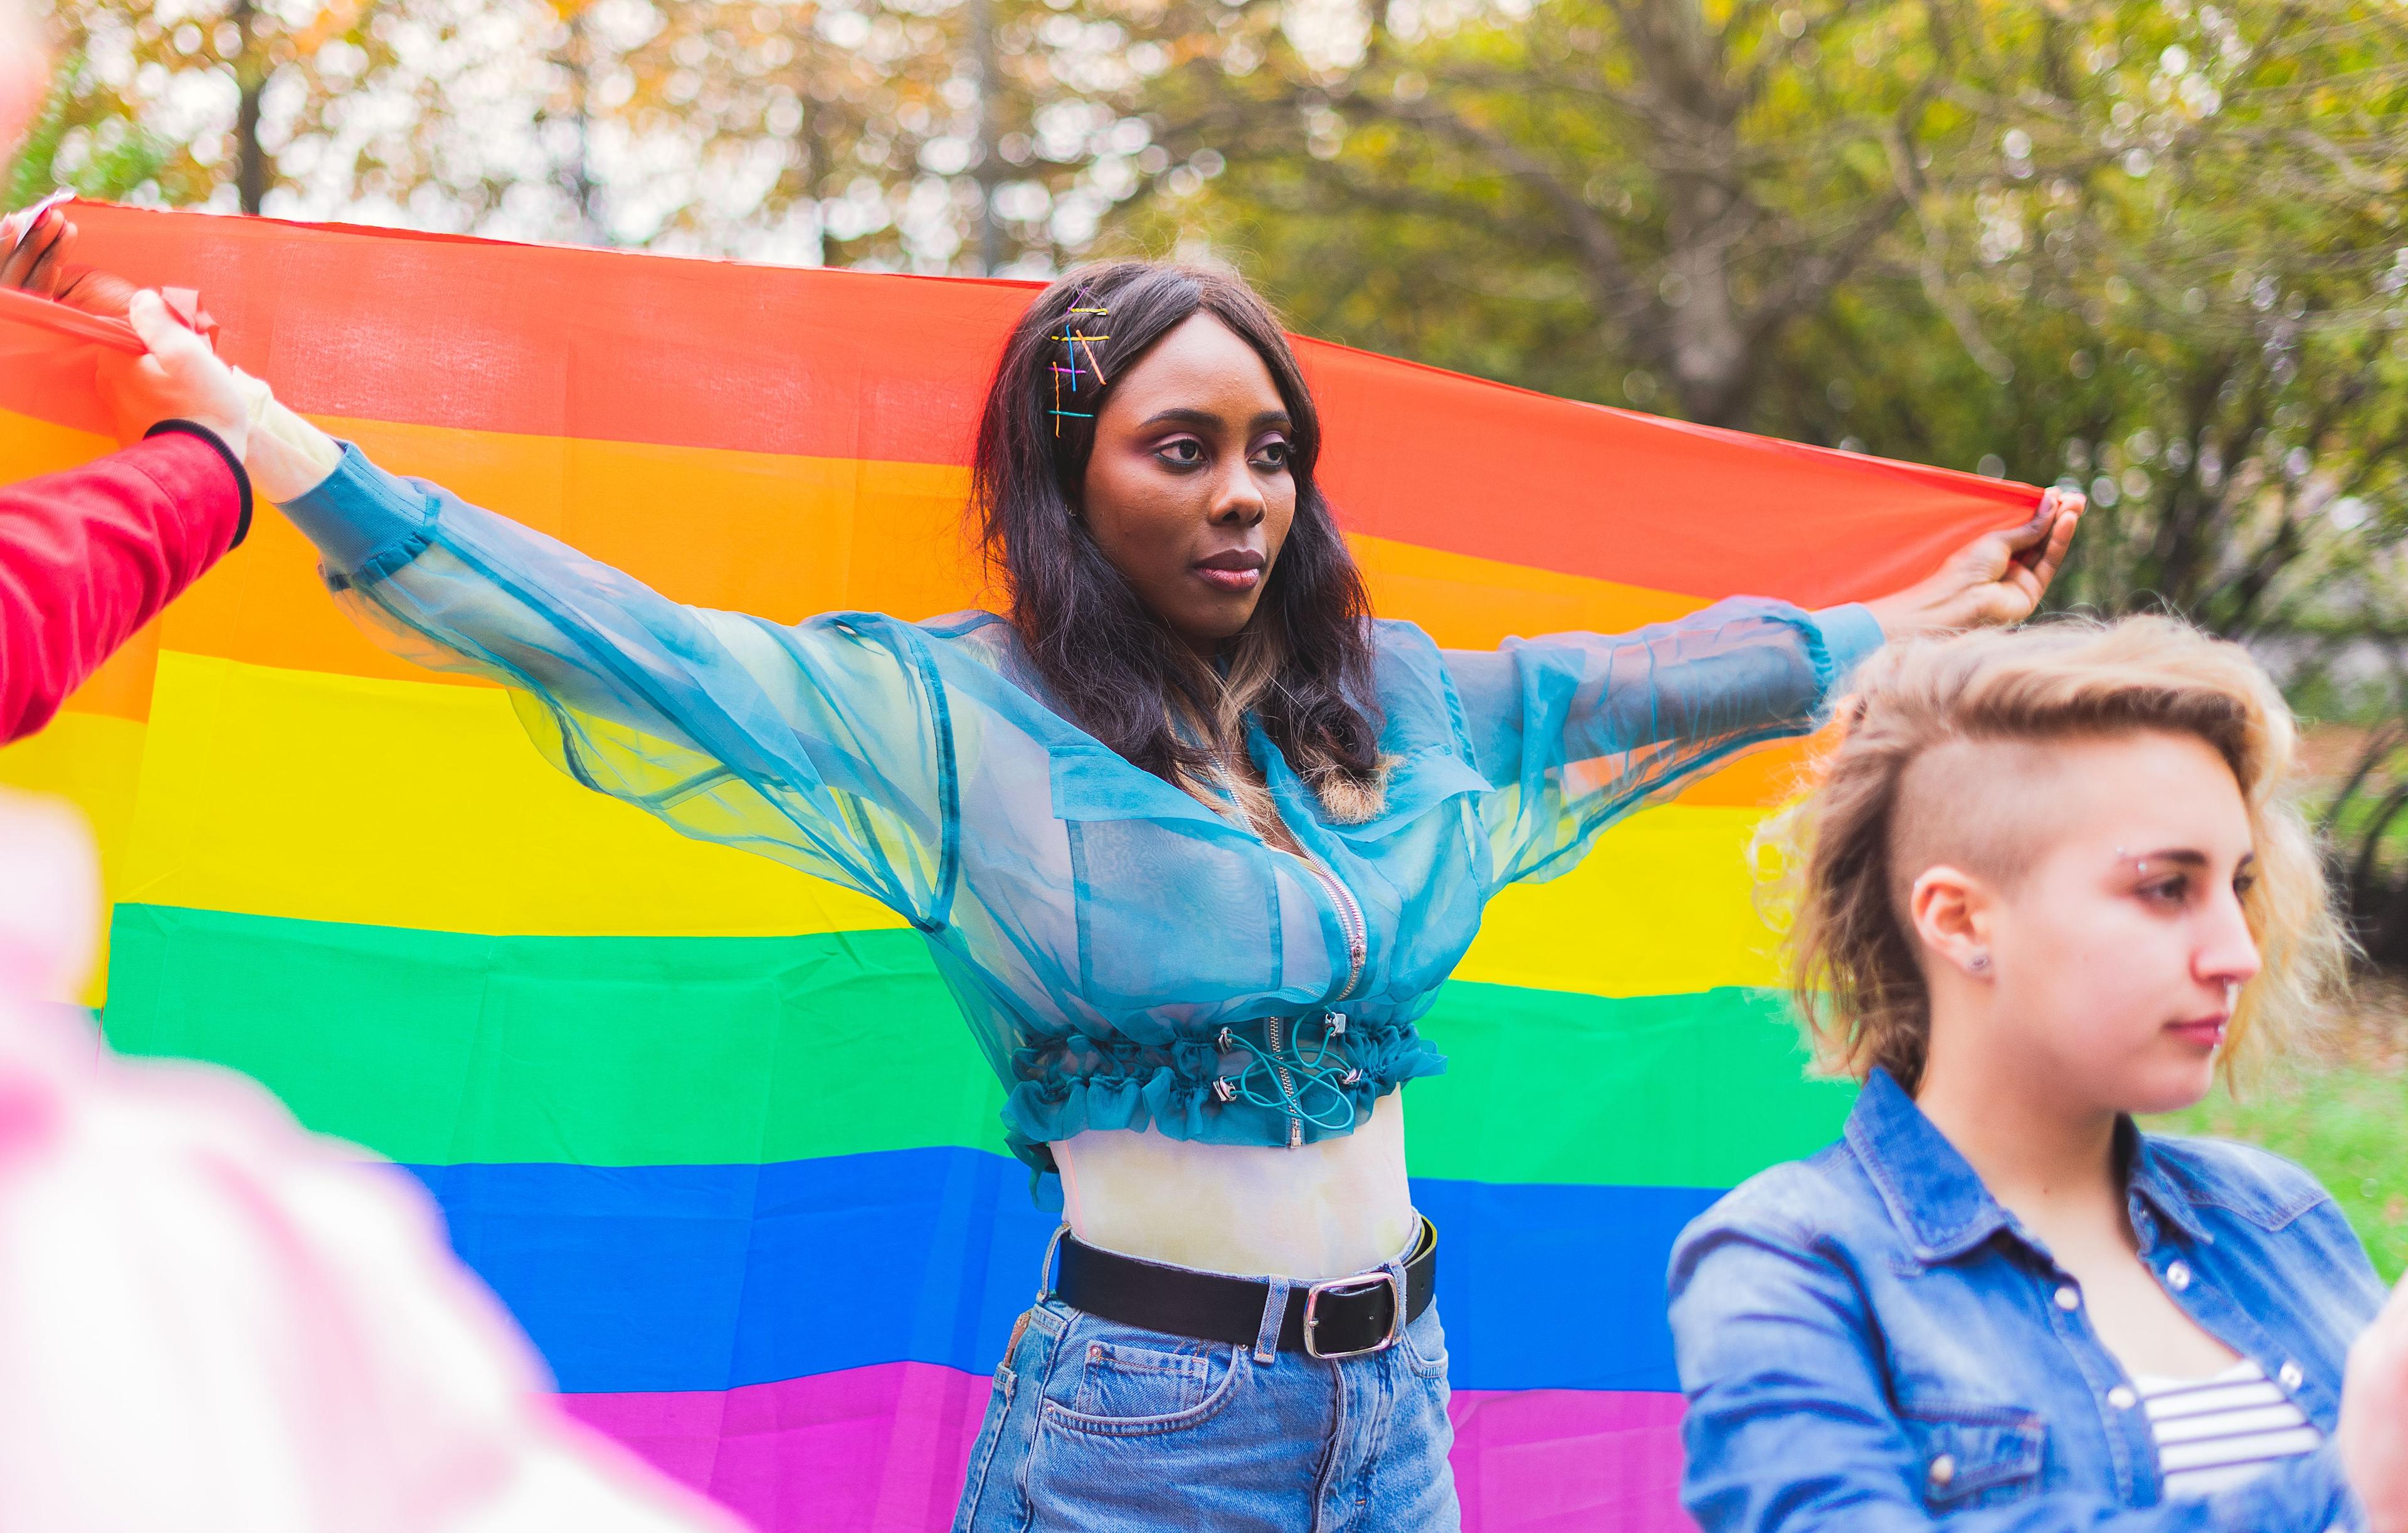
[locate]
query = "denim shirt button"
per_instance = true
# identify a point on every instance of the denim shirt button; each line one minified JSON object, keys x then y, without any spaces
{"x":2122,"y":1397}
{"x":2177,"y":1276}
{"x":1943,"y":1469}
{"x":2068,"y":1297}
{"x":2290,"y":1375}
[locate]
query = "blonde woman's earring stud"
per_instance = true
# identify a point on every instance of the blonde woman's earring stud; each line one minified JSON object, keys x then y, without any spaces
{"x":1978,"y":962}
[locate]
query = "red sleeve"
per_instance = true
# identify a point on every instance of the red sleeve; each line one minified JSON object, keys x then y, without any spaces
{"x":90,"y":555}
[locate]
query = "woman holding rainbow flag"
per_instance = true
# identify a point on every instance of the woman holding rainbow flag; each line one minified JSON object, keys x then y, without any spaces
{"x":1191,"y":838}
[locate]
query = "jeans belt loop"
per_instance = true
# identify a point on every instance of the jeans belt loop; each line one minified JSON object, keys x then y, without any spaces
{"x":1267,"y":1339}
{"x":1045,"y":1263}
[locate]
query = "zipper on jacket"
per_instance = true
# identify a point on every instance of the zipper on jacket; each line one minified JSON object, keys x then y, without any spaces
{"x":1288,"y":1083}
{"x":1350,"y":918}
{"x":1350,"y":915}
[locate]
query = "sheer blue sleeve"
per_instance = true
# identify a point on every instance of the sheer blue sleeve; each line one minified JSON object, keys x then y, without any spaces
{"x":1575,"y":730}
{"x":826,"y":745}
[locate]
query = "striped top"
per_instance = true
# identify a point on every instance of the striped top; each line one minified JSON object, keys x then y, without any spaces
{"x":2215,"y":1432}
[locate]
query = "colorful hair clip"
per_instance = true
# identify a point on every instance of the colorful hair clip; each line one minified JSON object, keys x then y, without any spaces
{"x":1073,"y":336}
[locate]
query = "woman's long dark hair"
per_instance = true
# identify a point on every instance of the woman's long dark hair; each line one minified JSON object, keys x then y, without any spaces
{"x":1302,"y":665}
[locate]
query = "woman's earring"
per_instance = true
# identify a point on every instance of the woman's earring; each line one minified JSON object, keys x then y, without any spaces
{"x":1978,"y":962}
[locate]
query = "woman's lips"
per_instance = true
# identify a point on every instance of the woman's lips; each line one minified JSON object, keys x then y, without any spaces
{"x":1230,"y":579}
{"x":2205,"y":1033}
{"x":1236,"y":571}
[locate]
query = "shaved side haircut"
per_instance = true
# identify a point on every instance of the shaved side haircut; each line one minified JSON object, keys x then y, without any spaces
{"x":1951,"y":750}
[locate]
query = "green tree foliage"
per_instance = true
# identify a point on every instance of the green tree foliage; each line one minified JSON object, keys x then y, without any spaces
{"x":861,"y":131}
{"x":852,"y":132}
{"x":2148,"y":248}
{"x":89,"y":137}
{"x":109,"y":159}
{"x":164,"y":104}
{"x":1631,"y":199}
{"x":2179,"y":292}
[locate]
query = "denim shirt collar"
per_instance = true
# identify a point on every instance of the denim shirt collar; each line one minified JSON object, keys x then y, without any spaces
{"x":2149,"y":1182}
{"x":1936,"y":1197}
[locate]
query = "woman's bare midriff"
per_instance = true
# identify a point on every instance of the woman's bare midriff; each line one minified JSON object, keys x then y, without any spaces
{"x":1319,"y":1210}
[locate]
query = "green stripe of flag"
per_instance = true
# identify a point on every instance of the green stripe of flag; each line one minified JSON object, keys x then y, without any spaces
{"x":437,"y":1048}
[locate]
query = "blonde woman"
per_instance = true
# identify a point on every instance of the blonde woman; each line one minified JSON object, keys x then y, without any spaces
{"x":2048,"y":881}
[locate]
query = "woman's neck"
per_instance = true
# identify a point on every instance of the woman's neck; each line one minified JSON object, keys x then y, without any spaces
{"x":2042,"y":1152}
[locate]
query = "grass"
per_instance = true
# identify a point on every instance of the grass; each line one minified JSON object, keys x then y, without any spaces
{"x":2341,"y":1111}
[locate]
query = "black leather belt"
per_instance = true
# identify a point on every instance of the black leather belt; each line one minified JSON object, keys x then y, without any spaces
{"x":1338,"y":1317}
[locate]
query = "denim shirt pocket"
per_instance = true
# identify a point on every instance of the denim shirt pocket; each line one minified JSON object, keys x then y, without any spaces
{"x":1974,"y":1456}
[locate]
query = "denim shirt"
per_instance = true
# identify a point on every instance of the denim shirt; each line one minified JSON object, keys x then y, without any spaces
{"x":1127,"y":956}
{"x":1869,"y":1341}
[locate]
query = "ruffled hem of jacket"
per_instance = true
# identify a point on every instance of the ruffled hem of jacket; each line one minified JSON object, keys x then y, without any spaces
{"x":1176,"y":1099}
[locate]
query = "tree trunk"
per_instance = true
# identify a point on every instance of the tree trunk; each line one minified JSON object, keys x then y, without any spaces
{"x":990,"y":162}
{"x":250,"y":78}
{"x":577,"y":175}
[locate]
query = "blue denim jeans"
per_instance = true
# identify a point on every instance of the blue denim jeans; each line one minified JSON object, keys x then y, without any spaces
{"x":1095,"y":1425}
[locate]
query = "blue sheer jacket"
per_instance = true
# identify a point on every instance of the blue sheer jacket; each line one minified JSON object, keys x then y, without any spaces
{"x":1127,"y":954}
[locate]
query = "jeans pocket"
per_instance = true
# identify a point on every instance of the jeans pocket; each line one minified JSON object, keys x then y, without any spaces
{"x":1424,"y":1345}
{"x":1119,"y":1380}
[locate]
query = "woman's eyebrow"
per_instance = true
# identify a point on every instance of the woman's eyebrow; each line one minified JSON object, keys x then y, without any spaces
{"x":2183,"y":856}
{"x":1181,"y":415}
{"x":1189,"y":416}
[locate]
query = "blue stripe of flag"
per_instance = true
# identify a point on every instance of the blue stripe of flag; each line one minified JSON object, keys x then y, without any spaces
{"x":711,"y":1277}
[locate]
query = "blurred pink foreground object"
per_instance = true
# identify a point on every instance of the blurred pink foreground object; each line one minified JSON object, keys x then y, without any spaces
{"x":211,"y":1320}
{"x":24,"y":74}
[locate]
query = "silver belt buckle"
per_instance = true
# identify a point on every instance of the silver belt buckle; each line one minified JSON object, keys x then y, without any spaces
{"x":1347,"y":1288}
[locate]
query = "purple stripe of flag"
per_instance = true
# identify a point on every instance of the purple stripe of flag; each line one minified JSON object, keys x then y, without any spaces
{"x":883,"y":1448}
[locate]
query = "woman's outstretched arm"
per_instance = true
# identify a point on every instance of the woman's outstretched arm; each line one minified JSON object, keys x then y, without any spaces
{"x":370,"y":526}
{"x":1576,"y":730}
{"x":824,"y":745}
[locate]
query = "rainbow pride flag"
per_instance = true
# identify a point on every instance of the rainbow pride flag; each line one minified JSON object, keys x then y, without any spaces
{"x":642,"y":1074}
